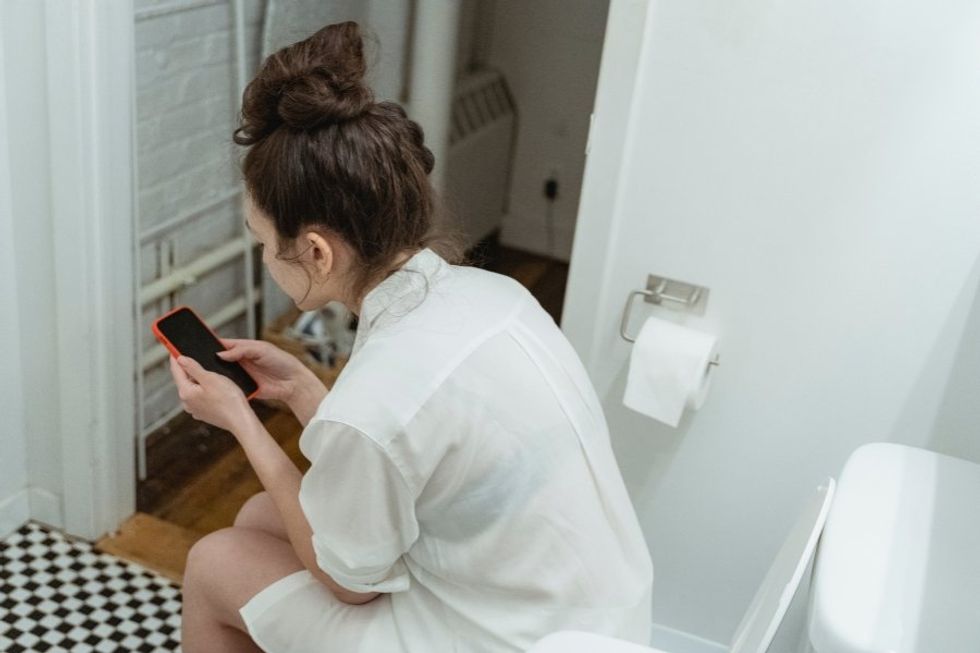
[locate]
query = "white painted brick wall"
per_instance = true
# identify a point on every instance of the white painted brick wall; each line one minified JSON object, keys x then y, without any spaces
{"x":186,"y":106}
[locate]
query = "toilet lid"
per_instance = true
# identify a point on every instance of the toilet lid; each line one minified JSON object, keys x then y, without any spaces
{"x":898,"y":568}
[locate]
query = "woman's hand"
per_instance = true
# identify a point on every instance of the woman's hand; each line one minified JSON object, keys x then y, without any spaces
{"x":277,"y":372}
{"x":210,"y":397}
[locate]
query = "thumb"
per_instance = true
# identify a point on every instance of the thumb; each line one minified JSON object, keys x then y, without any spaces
{"x":191,"y":366}
{"x":231,"y":354}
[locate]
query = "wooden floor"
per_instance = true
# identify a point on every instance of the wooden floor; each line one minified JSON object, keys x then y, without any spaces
{"x":198,"y":477}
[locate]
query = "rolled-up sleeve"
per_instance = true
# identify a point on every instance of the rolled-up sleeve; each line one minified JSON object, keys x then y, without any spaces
{"x":359,"y":507}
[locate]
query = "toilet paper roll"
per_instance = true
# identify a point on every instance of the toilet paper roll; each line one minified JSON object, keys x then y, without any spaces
{"x":669,"y":370}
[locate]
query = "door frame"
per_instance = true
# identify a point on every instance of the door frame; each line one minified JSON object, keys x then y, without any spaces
{"x":90,"y":60}
{"x":90,"y":50}
{"x":14,"y":502}
{"x":599,"y":203}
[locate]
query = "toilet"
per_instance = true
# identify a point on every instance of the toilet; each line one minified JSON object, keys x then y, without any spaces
{"x":764,"y":614}
{"x":898,"y":565}
{"x":897,"y":568}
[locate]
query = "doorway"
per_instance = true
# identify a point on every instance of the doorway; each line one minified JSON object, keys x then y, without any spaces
{"x":191,"y":475}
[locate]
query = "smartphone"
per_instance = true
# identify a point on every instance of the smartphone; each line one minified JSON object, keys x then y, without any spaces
{"x":184,"y":333}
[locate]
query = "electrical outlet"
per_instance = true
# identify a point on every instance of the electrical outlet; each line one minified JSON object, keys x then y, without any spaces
{"x":551,"y":185}
{"x":551,"y":189}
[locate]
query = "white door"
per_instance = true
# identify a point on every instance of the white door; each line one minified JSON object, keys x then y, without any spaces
{"x":815,"y":166}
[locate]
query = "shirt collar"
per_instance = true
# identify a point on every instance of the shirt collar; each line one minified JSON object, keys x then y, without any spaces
{"x":399,"y":292}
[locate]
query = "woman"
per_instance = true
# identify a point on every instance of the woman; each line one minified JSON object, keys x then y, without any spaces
{"x":462,"y":493}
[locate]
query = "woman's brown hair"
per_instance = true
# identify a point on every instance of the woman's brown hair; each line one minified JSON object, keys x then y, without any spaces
{"x":322,"y":153}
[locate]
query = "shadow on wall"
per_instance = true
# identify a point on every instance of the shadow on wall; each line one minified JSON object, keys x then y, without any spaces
{"x":956,"y":429}
{"x":632,"y":431}
{"x":941,"y":397}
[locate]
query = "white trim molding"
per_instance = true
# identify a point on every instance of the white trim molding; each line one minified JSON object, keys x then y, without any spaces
{"x":14,"y":511}
{"x":30,"y":503}
{"x":90,"y":87}
{"x":45,"y":507}
{"x":599,"y":202}
{"x":14,"y":507}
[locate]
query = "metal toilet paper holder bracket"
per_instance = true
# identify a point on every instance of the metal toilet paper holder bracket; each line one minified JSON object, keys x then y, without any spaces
{"x":679,"y":295}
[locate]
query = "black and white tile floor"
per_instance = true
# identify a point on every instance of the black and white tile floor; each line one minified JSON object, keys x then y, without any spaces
{"x":60,"y":595}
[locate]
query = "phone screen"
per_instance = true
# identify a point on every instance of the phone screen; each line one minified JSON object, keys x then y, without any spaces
{"x":192,"y":338}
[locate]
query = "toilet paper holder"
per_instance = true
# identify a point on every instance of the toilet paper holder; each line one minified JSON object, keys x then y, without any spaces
{"x":688,"y":297}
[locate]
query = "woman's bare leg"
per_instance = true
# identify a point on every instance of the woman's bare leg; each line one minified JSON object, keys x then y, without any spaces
{"x":260,"y":512}
{"x":225,"y":569}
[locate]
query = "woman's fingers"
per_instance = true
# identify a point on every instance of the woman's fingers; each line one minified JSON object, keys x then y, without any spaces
{"x":248,"y":344}
{"x":238,"y":349}
{"x":184,"y":382}
{"x":232,"y":354}
{"x":237,"y":343}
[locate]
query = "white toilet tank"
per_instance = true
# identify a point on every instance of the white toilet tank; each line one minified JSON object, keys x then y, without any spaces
{"x":898,"y":565}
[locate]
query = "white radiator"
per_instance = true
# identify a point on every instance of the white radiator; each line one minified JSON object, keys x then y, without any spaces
{"x":481,"y":147}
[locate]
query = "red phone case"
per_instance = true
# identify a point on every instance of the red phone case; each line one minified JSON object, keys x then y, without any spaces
{"x":173,"y":349}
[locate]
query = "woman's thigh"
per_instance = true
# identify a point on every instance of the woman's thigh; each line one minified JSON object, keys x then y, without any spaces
{"x":260,"y":512}
{"x":232,"y":565}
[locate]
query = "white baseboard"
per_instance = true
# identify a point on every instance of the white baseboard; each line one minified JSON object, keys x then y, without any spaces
{"x":27,"y":504}
{"x":14,"y":511}
{"x":677,"y":641}
{"x":46,"y":508}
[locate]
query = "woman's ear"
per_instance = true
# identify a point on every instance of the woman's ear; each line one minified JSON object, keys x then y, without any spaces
{"x":323,"y":253}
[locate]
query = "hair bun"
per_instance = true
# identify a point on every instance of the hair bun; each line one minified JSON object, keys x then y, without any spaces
{"x":320,"y":96}
{"x":311,"y":83}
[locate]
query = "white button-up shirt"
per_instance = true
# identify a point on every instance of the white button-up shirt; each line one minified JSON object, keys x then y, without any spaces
{"x":462,"y":463}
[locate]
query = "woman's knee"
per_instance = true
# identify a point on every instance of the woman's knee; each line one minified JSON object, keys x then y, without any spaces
{"x":260,"y":512}
{"x":207,"y":555}
{"x":251,"y":508}
{"x":227,"y":567}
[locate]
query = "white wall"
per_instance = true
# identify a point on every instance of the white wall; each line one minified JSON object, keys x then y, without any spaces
{"x":815,"y":165}
{"x":186,"y":105}
{"x":14,"y":501}
{"x":549,"y":53}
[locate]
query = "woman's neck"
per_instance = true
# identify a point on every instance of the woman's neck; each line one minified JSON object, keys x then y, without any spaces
{"x":399,"y":261}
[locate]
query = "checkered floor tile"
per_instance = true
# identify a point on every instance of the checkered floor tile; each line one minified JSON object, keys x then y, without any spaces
{"x":61,"y":595}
